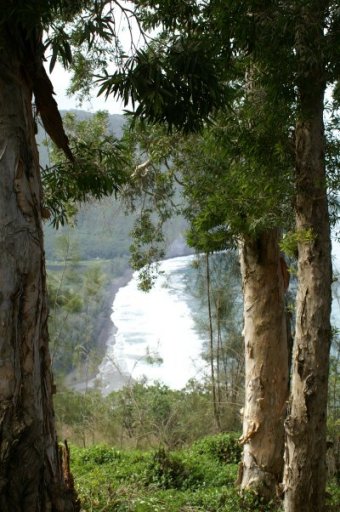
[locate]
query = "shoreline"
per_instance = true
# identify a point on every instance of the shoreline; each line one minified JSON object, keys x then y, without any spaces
{"x":81,"y":380}
{"x":84,"y":379}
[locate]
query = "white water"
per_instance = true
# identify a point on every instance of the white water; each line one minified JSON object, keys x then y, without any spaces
{"x":158,"y":322}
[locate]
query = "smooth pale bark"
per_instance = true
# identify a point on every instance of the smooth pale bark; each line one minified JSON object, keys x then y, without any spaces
{"x":266,"y":364}
{"x":31,"y":472}
{"x":305,"y":464}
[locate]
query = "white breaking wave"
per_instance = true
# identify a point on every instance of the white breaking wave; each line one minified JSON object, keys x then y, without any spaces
{"x":158,"y":323}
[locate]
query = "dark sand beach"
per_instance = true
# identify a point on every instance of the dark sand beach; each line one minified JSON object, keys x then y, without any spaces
{"x":85,"y":378}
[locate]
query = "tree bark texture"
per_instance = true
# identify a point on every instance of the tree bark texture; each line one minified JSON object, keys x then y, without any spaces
{"x":266,"y":364}
{"x":305,"y":464}
{"x":31,"y":472}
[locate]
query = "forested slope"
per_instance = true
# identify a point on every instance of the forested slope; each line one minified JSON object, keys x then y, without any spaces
{"x":102,"y":229}
{"x":87,"y":262}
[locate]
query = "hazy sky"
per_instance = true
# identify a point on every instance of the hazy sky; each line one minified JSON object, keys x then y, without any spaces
{"x":60,"y":80}
{"x":126,"y":27}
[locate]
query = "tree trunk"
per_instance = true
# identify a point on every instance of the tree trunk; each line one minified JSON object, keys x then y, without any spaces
{"x":266,"y":364}
{"x":216,"y":405}
{"x":305,"y":466}
{"x":31,"y":472}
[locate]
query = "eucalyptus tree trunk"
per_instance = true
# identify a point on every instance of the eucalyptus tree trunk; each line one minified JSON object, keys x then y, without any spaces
{"x":266,"y":364}
{"x":305,"y":455}
{"x":32,"y":478}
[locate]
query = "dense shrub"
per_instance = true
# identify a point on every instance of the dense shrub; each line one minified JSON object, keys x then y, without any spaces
{"x":137,"y":416}
{"x":223,"y":447}
{"x":166,"y":471}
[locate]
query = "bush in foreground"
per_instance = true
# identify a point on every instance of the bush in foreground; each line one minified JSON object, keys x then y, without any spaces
{"x":197,"y":479}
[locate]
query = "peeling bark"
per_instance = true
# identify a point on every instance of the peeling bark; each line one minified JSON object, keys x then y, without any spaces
{"x":266,"y":364}
{"x":305,"y":465}
{"x":31,"y":477}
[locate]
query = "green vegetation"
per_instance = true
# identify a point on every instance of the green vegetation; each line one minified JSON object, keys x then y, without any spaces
{"x":142,"y":416}
{"x":215,"y":286}
{"x":80,"y":297}
{"x":194,"y":479}
{"x":100,"y":230}
{"x":252,"y":77}
{"x":86,"y":263}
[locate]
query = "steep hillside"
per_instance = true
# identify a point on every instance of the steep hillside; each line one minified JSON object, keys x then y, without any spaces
{"x":102,"y":229}
{"x":86,"y":264}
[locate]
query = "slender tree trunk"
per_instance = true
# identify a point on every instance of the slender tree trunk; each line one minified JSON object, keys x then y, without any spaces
{"x":211,"y":346}
{"x":266,"y":364}
{"x":31,"y":470}
{"x":219,"y":350}
{"x":305,"y":466}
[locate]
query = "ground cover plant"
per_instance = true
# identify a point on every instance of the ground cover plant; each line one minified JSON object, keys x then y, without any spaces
{"x":200,"y":478}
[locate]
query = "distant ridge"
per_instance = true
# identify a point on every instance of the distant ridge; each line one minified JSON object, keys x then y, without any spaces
{"x":116,"y":124}
{"x":116,"y":121}
{"x":102,"y":229}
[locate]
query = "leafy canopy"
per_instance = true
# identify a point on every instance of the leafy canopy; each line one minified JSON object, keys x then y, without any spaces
{"x":99,"y":168}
